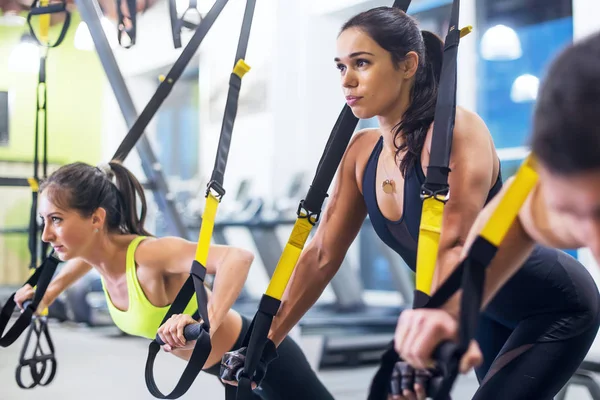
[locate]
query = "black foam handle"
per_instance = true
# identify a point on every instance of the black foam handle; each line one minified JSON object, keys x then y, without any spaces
{"x":447,"y":353}
{"x":27,"y":303}
{"x":190,"y":332}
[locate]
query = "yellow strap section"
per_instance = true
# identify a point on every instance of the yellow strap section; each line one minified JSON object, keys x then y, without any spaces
{"x":503,"y":217}
{"x":289,"y":258}
{"x":208,"y":223}
{"x":241,"y":68}
{"x":44,"y":23}
{"x":465,"y":31}
{"x":33,"y":183}
{"x":45,"y":310}
{"x":429,"y":238}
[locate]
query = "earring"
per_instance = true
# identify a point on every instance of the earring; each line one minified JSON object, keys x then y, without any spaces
{"x":96,"y":230}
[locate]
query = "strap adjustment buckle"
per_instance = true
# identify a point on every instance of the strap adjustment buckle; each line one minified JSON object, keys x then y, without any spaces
{"x":442,"y":194}
{"x":303,"y":212}
{"x":216,"y":189}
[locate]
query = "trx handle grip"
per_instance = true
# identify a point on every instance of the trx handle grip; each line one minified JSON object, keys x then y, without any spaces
{"x":190,"y":332}
{"x":47,"y":10}
{"x":26,"y":304}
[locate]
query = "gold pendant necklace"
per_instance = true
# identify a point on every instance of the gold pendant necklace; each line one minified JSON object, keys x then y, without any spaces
{"x":388,"y":185}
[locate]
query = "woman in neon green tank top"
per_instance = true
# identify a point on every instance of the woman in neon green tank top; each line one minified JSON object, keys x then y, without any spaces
{"x":93,"y":222}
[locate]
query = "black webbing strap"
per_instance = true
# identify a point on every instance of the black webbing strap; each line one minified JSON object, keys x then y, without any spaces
{"x":137,"y":130}
{"x":42,"y":365}
{"x":448,"y":354}
{"x":231,"y":106}
{"x":195,"y":283}
{"x":37,"y":9}
{"x":310,"y":207}
{"x":203,"y":347}
{"x":445,"y":112}
{"x":127,"y":24}
{"x":178,"y":23}
{"x":41,"y":124}
{"x":40,"y":279}
{"x":436,"y":183}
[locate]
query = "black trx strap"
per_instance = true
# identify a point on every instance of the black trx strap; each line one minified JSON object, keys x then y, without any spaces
{"x":256,"y":349}
{"x":41,"y":364}
{"x":178,"y":23}
{"x":40,"y":124}
{"x":435,"y":189}
{"x":127,"y":24}
{"x":137,"y":130}
{"x":214,"y":192}
{"x":40,"y":279}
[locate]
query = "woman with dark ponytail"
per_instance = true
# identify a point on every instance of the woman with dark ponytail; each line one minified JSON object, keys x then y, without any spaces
{"x":538,"y":328}
{"x":91,"y":219}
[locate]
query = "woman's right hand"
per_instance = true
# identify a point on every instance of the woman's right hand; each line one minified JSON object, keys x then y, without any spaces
{"x":171,"y":332}
{"x":26,"y":293}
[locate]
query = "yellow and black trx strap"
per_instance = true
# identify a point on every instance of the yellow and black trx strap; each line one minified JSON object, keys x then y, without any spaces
{"x":470,"y":274}
{"x":435,"y":191}
{"x":42,"y":275}
{"x":308,"y":214}
{"x":214,"y":194}
{"x":41,"y":365}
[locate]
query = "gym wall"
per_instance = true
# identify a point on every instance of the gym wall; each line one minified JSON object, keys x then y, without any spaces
{"x":75,"y":89}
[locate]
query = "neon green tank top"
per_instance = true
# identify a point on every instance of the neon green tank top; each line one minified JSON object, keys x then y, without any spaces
{"x":142,"y":318}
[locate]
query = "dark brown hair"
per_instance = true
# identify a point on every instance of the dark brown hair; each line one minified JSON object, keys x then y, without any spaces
{"x":566,"y":122}
{"x":84,"y":188}
{"x":398,"y":33}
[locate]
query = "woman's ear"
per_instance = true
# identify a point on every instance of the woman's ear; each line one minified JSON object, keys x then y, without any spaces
{"x":410,"y":64}
{"x":99,"y":218}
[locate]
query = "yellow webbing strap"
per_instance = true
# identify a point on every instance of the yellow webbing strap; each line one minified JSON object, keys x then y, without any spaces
{"x":33,"y":183}
{"x":508,"y":209}
{"x":208,"y":223}
{"x":45,"y":310}
{"x":44,"y":23}
{"x":289,"y":258}
{"x":429,"y":238}
{"x":241,"y":68}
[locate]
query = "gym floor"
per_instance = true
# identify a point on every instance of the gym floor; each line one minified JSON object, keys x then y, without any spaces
{"x":99,"y":364}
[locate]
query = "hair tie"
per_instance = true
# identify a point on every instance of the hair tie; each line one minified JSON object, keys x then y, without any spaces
{"x":106,"y":170}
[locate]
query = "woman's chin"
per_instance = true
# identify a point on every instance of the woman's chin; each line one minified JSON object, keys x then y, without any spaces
{"x":361,"y":113}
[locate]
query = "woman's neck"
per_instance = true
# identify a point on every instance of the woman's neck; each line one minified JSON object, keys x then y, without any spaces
{"x":108,"y":255}
{"x":389,"y":121}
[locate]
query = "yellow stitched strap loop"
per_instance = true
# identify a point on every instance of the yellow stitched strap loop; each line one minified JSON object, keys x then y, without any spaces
{"x":429,"y":237}
{"x":241,"y":68}
{"x":465,"y":31}
{"x":34,"y":184}
{"x":289,"y":258}
{"x":208,"y":223}
{"x":508,"y":209}
{"x":44,"y":23}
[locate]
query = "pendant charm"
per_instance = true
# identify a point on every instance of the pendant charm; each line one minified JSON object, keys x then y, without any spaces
{"x":388,"y":186}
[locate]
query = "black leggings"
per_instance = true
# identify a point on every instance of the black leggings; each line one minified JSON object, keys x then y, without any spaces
{"x":535,"y":334}
{"x":289,"y":377}
{"x":529,"y":365}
